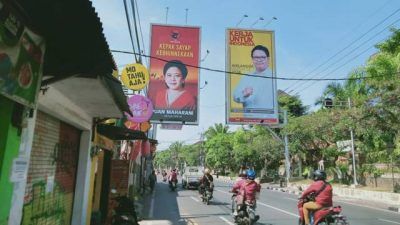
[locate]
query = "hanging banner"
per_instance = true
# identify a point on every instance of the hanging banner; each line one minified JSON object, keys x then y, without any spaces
{"x":141,"y":109}
{"x":174,"y":74}
{"x":21,"y":60}
{"x":135,"y":76}
{"x":251,"y":89}
{"x":144,"y":127}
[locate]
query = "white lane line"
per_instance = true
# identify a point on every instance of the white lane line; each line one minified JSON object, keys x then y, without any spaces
{"x":388,"y":221}
{"x":151,"y":211}
{"x":194,"y":199}
{"x":365,"y":206}
{"x":269,"y":206}
{"x":226,"y":220}
{"x":278,"y":209}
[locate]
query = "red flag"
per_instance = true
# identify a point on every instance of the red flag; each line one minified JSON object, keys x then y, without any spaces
{"x":137,"y":148}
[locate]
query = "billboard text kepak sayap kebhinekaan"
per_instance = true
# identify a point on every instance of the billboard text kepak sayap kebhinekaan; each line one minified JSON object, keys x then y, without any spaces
{"x":174,"y":74}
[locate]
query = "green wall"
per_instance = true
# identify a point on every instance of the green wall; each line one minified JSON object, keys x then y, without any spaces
{"x":9,"y":144}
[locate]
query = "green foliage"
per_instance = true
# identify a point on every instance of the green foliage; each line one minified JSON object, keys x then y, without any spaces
{"x":292,"y":104}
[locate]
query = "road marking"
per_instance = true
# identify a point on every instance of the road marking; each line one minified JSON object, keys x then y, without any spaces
{"x":226,"y":220}
{"x":269,"y":206}
{"x":194,"y":199}
{"x":278,"y":209}
{"x":292,"y":199}
{"x":365,"y":206}
{"x":151,"y":211}
{"x":388,"y":221}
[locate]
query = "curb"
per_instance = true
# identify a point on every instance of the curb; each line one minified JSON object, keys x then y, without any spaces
{"x":390,"y":208}
{"x":394,"y":208}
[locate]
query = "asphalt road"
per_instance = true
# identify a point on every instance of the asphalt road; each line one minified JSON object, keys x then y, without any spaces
{"x":274,"y":207}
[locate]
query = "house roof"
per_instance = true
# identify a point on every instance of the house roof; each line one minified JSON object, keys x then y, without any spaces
{"x":75,"y":47}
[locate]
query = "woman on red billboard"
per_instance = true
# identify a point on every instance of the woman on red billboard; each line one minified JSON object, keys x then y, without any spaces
{"x":175,"y":96}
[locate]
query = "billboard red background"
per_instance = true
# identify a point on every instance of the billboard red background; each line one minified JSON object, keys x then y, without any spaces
{"x":164,"y":35}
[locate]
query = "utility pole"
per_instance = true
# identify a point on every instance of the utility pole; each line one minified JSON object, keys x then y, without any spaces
{"x":352,"y":150}
{"x":287,"y":156}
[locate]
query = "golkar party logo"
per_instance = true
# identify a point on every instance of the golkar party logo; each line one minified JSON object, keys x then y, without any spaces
{"x":241,"y":37}
{"x":175,"y":35}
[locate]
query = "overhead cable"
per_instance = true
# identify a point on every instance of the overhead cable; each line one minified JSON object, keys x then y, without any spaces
{"x":252,"y":75}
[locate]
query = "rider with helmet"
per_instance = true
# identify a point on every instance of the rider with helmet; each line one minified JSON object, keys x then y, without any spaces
{"x":236,"y":189}
{"x":247,"y":191}
{"x":321,"y":191}
{"x":206,"y":182}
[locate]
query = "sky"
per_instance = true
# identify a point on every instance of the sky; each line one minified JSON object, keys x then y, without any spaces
{"x":313,"y":39}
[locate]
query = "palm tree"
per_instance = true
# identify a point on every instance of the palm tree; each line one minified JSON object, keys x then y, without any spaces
{"x":218,"y":128}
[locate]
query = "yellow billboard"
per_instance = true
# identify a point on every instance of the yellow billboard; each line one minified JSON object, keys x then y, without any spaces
{"x":251,"y":87}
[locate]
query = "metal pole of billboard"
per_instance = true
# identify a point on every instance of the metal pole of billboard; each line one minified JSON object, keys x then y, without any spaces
{"x":287,"y":157}
{"x":352,"y":151}
{"x":259,"y":19}
{"x":166,"y":15}
{"x":244,"y":16}
{"x":285,"y":141}
{"x":272,"y":19}
{"x":186,"y":15}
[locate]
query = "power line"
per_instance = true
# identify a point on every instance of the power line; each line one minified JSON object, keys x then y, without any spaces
{"x":347,"y":46}
{"x":129,"y":27}
{"x":135,"y":26}
{"x":140,"y":28}
{"x":341,"y":40}
{"x":337,"y":68}
{"x":251,"y":75}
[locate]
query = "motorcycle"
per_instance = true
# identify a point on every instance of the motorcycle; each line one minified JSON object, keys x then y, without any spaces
{"x":325,"y":216}
{"x":246,"y":213}
{"x":206,"y":196}
{"x":124,"y":213}
{"x":172,"y":185}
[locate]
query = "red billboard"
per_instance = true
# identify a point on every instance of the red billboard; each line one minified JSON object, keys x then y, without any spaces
{"x":174,"y":74}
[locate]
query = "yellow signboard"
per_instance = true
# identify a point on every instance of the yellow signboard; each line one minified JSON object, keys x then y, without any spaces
{"x":135,"y":76}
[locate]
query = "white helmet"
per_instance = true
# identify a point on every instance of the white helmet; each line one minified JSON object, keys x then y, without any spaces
{"x":207,"y":171}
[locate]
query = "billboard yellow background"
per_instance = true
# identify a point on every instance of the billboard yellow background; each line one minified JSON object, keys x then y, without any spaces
{"x":241,"y":55}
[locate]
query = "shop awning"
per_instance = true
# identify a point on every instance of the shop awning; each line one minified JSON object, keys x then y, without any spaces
{"x":120,"y":133}
{"x":76,"y":48}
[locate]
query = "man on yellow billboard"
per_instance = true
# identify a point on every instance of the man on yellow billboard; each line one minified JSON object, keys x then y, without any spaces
{"x":252,"y":88}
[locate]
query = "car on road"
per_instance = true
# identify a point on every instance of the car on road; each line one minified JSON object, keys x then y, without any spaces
{"x":191,"y":176}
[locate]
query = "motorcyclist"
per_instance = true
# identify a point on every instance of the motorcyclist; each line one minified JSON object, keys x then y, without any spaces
{"x":322,"y":192}
{"x":173,"y":177}
{"x":206,"y":181}
{"x":235,"y":189}
{"x":164,"y":174}
{"x":249,"y":189}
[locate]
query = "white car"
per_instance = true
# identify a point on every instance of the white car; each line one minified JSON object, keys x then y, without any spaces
{"x":191,"y":176}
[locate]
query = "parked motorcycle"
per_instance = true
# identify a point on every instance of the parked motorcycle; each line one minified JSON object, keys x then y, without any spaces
{"x":324,"y":216}
{"x":206,"y":196}
{"x":124,"y":213}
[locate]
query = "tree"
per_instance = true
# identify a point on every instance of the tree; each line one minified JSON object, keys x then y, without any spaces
{"x":292,"y":104}
{"x":218,"y":128}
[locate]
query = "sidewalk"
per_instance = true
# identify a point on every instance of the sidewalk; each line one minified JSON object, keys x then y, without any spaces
{"x":389,"y":201}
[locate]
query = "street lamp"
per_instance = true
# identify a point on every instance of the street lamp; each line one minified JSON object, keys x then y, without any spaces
{"x":328,"y":103}
{"x":244,"y":16}
{"x":272,"y":19}
{"x":259,"y":19}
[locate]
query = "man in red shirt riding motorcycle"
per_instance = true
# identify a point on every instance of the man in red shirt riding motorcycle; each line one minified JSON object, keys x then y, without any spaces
{"x":322,"y":192}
